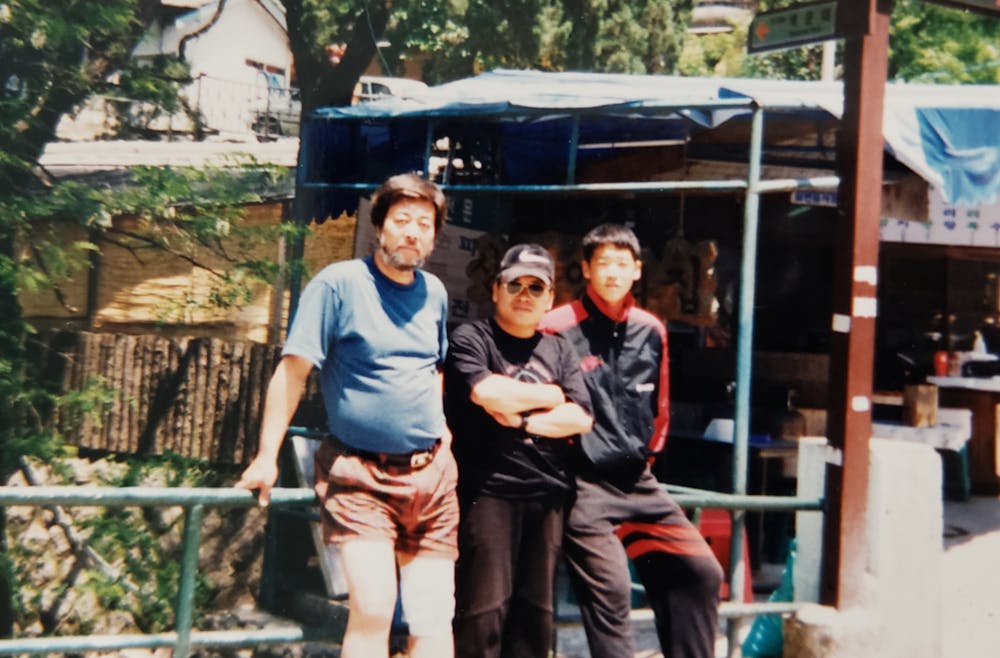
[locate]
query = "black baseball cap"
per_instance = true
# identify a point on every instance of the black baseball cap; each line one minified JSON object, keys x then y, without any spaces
{"x":527,"y":260}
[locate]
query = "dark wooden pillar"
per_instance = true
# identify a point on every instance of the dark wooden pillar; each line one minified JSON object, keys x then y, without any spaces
{"x":860,"y":152}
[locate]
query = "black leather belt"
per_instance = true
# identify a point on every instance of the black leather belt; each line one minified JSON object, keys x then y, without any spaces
{"x":413,"y":460}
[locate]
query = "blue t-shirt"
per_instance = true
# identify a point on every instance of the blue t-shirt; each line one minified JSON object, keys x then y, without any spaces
{"x":378,"y":345}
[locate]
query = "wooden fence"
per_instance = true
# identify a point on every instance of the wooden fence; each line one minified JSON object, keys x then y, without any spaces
{"x":197,"y":397}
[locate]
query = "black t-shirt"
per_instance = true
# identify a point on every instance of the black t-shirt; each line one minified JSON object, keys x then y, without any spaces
{"x":493,"y":459}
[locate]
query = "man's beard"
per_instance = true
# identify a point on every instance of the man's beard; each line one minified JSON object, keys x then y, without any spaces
{"x":394,"y":260}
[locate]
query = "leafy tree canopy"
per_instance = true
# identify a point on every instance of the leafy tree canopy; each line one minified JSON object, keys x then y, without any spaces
{"x":54,"y":54}
{"x":452,"y":39}
{"x":934,"y":43}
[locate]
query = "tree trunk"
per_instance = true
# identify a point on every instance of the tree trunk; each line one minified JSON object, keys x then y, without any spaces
{"x":12,"y":358}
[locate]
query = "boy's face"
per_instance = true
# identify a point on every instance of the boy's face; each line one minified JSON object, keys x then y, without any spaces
{"x":612,"y":271}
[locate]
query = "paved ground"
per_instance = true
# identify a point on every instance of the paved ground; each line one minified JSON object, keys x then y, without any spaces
{"x":971,"y":596}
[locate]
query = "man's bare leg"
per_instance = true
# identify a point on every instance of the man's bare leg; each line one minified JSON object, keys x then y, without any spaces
{"x":370,"y":568}
{"x":427,"y":583}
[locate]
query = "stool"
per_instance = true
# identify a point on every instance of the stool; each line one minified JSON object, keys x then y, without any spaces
{"x":715,"y":526}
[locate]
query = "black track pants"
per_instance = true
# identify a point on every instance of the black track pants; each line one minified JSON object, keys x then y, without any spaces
{"x":609,"y":524}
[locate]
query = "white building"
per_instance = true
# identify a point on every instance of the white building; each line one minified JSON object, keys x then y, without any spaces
{"x":239,"y":56}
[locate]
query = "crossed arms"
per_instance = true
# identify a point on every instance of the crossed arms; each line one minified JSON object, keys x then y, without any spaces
{"x":547,"y":411}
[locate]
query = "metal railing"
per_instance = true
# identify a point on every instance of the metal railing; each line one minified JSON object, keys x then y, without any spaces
{"x":194,"y":500}
{"x":690,"y":498}
{"x":223,"y":106}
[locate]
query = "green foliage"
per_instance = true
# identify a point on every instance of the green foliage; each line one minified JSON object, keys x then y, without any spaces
{"x":8,"y":575}
{"x":933,"y":43}
{"x":47,"y":257}
{"x":139,"y":548}
{"x":724,"y":54}
{"x":71,"y":56}
{"x":803,"y":63}
{"x":172,"y":469}
{"x":147,"y":550}
{"x":718,"y":54}
{"x":323,"y":22}
{"x":627,"y":36}
{"x":928,"y":43}
{"x":458,"y":38}
{"x":195,"y":215}
{"x":124,"y":538}
{"x":54,"y":55}
{"x":91,"y":402}
{"x":41,"y":444}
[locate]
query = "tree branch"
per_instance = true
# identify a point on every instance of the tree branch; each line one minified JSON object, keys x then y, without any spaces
{"x":173,"y":252}
{"x":56,"y":289}
{"x":124,"y":246}
{"x":85,"y":555}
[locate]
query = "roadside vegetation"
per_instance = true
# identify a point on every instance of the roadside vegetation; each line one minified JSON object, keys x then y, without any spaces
{"x":53,"y":55}
{"x":87,"y":570}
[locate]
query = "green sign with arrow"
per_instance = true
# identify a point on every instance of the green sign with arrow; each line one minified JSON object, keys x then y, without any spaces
{"x":797,"y":25}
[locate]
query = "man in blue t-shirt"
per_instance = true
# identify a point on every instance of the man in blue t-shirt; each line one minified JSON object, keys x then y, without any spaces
{"x":375,"y":330}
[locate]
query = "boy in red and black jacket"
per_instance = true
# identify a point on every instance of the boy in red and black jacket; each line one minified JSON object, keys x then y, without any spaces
{"x":621,"y":511}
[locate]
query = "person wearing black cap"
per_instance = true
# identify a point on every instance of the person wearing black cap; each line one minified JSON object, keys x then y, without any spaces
{"x":515,"y":400}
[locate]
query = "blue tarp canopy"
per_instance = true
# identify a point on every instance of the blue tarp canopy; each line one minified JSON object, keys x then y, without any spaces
{"x":520,"y":124}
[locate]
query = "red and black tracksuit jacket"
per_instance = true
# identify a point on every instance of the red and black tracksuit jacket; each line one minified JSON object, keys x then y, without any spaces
{"x":625,"y":365}
{"x":624,"y":362}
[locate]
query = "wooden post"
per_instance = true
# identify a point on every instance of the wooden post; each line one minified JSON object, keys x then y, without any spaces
{"x":274,"y":323}
{"x":920,"y":405}
{"x":860,"y":153}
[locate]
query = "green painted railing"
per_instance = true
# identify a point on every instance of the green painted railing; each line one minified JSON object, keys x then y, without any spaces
{"x":184,"y":637}
{"x":193,"y":500}
{"x":690,"y":498}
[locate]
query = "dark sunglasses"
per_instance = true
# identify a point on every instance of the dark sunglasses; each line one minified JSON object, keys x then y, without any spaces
{"x":515,"y":287}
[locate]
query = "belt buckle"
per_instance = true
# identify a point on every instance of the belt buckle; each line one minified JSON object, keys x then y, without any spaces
{"x":421,"y":459}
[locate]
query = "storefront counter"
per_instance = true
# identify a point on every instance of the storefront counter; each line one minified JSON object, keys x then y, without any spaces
{"x":950,"y":437}
{"x":982,"y":397}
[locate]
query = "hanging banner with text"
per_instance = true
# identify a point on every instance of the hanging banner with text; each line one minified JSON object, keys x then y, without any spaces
{"x":969,"y":224}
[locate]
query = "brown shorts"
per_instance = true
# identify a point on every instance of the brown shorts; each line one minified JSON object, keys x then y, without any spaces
{"x":415,"y":508}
